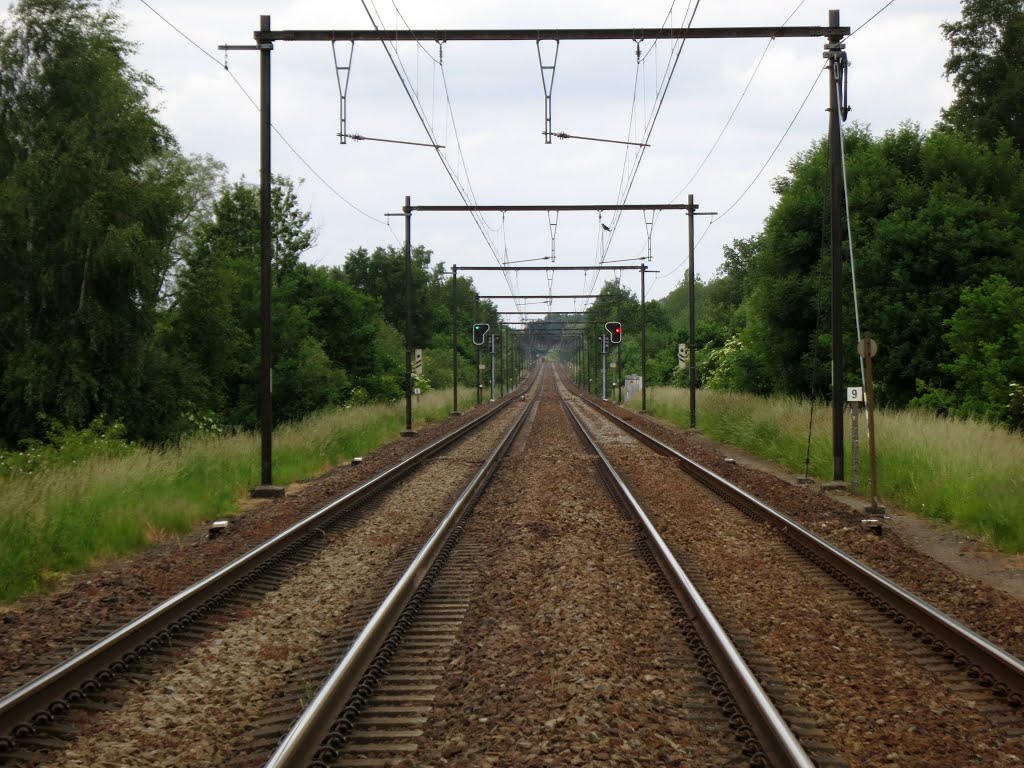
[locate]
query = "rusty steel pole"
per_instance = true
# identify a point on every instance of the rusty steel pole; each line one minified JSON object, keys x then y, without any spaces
{"x":643,"y":339}
{"x":692,"y":362}
{"x":835,"y":163}
{"x":455,"y":341}
{"x":407,"y":210}
{"x":266,"y":254}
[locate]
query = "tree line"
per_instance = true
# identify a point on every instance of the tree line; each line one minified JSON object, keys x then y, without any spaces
{"x":937,"y":221}
{"x":130,"y":282}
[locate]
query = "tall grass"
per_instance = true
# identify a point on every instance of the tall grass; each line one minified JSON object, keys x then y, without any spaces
{"x":967,"y":473}
{"x":60,"y":519}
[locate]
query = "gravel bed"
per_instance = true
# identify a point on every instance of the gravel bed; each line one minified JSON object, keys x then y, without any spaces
{"x":198,"y":711}
{"x":989,"y":611}
{"x":570,"y":655}
{"x":877,"y":705}
{"x":41,"y":630}
{"x":530,"y":660}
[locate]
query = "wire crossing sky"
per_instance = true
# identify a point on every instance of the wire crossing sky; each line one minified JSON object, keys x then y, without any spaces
{"x":713,"y":112}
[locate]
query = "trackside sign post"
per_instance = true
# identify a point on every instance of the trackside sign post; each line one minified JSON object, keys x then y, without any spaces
{"x":868,"y":348}
{"x":854,"y":396}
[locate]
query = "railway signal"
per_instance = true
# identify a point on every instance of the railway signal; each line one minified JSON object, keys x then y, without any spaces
{"x":614,"y":332}
{"x":480,"y":333}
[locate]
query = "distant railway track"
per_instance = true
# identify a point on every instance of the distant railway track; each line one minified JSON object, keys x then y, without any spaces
{"x":532,"y":623}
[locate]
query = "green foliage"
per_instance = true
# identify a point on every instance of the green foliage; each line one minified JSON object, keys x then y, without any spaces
{"x":987,"y":338}
{"x":986,"y":64}
{"x":64,"y":446}
{"x":115,"y":498}
{"x":931,"y":213}
{"x":86,"y":216}
{"x":918,"y":453}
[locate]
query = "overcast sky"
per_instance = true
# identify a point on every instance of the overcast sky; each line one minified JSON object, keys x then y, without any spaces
{"x":494,"y":144}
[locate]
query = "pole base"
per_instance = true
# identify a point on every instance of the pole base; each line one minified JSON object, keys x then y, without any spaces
{"x":835,"y":485}
{"x":408,"y":433}
{"x":455,"y":413}
{"x":267,"y":492}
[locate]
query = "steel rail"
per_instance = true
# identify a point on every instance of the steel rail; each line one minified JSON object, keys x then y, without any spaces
{"x":777,"y":742}
{"x":992,"y":665}
{"x":48,"y":695}
{"x":303,"y":741}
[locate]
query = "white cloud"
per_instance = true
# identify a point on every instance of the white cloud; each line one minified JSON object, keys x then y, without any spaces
{"x":498,"y":103}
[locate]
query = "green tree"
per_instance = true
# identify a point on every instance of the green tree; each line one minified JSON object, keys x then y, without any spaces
{"x":986,"y":64}
{"x":381,"y":274}
{"x":214,"y":322}
{"x":87,"y":217}
{"x":931,"y":214}
{"x":986,"y":337}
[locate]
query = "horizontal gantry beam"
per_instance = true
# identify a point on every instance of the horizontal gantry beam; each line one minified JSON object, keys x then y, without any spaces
{"x":546,"y":269}
{"x":545,"y":296}
{"x":621,"y":33}
{"x":551,"y":208}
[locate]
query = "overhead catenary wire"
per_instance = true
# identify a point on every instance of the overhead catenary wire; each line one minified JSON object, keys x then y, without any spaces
{"x":467,"y":195}
{"x":872,"y":18}
{"x":626,"y":186}
{"x":281,"y":136}
{"x":739,"y":101}
{"x":662,"y":92}
{"x":729,"y":119}
{"x":761,"y":170}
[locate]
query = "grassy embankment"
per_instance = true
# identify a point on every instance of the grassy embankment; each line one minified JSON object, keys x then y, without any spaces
{"x":59,"y":519}
{"x":963,"y":472}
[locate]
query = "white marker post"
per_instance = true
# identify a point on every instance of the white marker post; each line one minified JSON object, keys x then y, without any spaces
{"x":492,"y":367}
{"x":854,"y":396}
{"x":604,"y":367}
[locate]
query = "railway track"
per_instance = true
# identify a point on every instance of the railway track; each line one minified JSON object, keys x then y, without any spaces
{"x":877,"y":675}
{"x":599,"y":606}
{"x":36,"y":718}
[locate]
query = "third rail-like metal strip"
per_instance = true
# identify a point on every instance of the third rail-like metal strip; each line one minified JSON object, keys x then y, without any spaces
{"x":995,"y":665}
{"x":301,"y":743}
{"x":779,"y":744}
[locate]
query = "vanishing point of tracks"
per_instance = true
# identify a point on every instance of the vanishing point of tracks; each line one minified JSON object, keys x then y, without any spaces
{"x":544,"y":623}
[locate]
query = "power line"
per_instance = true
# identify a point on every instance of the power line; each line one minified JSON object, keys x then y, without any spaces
{"x":728,"y":120}
{"x":772,"y":155}
{"x":625,"y":189}
{"x":469,"y":197}
{"x":739,"y":101}
{"x":877,"y":13}
{"x":252,"y":101}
